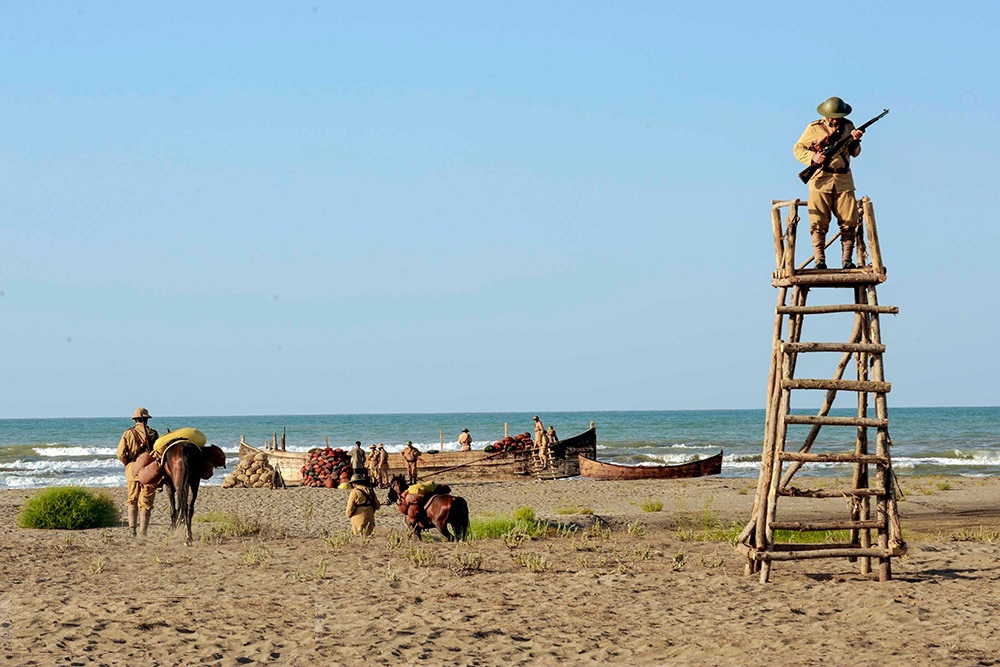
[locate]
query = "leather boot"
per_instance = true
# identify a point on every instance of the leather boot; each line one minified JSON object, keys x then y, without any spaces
{"x":847,"y":247}
{"x":133,"y":513}
{"x":144,"y":521}
{"x":819,"y":249}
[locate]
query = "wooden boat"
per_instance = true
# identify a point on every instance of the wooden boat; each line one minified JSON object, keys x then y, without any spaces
{"x":594,"y":469}
{"x":462,"y":466}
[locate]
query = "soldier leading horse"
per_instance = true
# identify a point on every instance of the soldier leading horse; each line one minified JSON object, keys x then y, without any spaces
{"x":183,"y":463}
{"x":426,"y":511}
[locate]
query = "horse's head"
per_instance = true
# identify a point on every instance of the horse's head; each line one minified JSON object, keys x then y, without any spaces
{"x":396,"y":486}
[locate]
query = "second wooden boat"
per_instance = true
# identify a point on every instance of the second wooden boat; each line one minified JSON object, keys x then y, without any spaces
{"x":595,"y":469}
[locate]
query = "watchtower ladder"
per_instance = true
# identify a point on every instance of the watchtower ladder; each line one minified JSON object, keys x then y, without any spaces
{"x":779,"y":463}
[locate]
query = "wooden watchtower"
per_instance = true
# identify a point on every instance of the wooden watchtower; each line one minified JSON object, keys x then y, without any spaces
{"x":779,"y":461}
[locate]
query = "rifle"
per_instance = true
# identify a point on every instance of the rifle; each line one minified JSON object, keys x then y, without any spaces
{"x":835,"y":148}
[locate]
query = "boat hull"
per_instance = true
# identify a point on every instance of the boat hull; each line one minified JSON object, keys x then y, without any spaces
{"x":594,"y":469}
{"x":461,"y":466}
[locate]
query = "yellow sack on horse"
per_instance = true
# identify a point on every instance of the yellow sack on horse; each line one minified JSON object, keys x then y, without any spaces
{"x":422,"y":487}
{"x":187,"y":433}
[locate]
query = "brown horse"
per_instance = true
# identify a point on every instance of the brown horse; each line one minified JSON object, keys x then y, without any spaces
{"x":439,"y":511}
{"x":183,"y":463}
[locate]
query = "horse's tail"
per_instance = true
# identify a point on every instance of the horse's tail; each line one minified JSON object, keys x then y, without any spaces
{"x":458,"y":517}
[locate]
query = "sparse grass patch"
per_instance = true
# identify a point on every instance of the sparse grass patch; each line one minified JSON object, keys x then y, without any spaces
{"x":98,"y":564}
{"x":69,"y":508}
{"x":225,"y":526}
{"x":637,"y":528}
{"x":981,"y":534}
{"x":651,"y":505}
{"x":943,"y":486}
{"x":255,"y":555}
{"x":532,"y":562}
{"x":680,"y":560}
{"x":466,"y":563}
{"x":419,"y":557}
{"x":337,"y":540}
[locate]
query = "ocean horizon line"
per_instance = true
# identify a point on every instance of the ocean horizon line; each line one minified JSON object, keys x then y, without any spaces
{"x":493,"y":412}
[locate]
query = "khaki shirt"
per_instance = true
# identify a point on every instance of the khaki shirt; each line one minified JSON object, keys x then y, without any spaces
{"x":465,"y":440}
{"x":822,"y":180}
{"x":135,"y":441}
{"x":410,"y":454}
{"x":361,"y":501}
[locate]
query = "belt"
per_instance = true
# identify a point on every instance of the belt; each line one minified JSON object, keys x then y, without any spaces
{"x":842,"y":170}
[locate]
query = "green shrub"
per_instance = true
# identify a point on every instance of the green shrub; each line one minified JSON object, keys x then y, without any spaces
{"x":69,"y":508}
{"x":524,"y":514}
{"x":652,"y":505}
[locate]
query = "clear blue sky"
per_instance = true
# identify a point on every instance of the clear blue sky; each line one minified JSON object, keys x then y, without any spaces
{"x":274,"y":208}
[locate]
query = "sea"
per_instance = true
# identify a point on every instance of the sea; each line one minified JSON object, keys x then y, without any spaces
{"x":37,"y":453}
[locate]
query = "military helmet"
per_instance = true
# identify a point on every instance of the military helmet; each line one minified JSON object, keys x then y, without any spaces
{"x":834,"y":108}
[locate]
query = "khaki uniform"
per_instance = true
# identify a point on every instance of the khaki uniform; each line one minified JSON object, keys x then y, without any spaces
{"x":465,"y":442}
{"x":383,"y":467}
{"x":371,"y":463}
{"x":135,"y":441}
{"x":410,"y":455}
{"x":830,"y":192}
{"x":361,"y":506}
{"x":541,"y":444}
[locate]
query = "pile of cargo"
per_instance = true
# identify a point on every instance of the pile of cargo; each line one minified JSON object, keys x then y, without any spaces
{"x":517,"y":443}
{"x":327,"y":468}
{"x":253,"y":472}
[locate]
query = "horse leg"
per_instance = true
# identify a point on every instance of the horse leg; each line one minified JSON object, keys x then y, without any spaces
{"x":173,"y":504}
{"x":190,"y":512}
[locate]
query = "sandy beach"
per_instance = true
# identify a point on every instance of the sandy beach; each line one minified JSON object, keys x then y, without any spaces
{"x":275,"y":579}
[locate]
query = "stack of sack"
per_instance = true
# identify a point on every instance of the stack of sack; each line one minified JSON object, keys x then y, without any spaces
{"x":254,"y":472}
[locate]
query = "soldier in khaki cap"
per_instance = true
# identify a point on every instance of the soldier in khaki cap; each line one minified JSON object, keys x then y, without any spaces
{"x":135,"y":441}
{"x":831,"y":189}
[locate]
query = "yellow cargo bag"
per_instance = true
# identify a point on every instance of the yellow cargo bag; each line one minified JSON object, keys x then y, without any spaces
{"x":422,"y":487}
{"x":188,"y":433}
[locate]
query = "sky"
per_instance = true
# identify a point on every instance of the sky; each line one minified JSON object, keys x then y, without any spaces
{"x":317,"y":208}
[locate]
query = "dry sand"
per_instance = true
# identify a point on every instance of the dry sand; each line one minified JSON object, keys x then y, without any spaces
{"x":301,"y":593}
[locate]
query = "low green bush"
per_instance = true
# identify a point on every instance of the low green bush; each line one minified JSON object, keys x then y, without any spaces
{"x":69,"y":508}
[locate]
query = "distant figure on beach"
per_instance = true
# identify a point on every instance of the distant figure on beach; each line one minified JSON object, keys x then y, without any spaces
{"x":541,"y":443}
{"x":361,"y":506}
{"x":135,"y":441}
{"x":382,"y":467}
{"x":465,"y":441}
{"x":831,"y":189}
{"x":411,"y":455}
{"x":358,"y":459}
{"x":551,"y":435}
{"x":371,"y":462}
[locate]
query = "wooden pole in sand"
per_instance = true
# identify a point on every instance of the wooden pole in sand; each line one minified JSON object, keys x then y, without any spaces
{"x":442,"y":440}
{"x":327,"y":441}
{"x":505,"y":429}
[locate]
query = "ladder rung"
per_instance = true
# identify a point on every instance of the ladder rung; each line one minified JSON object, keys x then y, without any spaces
{"x":836,"y":421}
{"x":837,"y":524}
{"x":853,"y":552}
{"x":829,"y":493}
{"x":846,"y":385}
{"x":871,"y":348}
{"x":838,"y":308}
{"x":835,"y":278}
{"x":846,"y":457}
{"x":799,"y":546}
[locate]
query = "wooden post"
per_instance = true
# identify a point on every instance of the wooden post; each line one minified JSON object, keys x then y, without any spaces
{"x":327,"y":441}
{"x":442,"y":441}
{"x":505,"y":429}
{"x":283,"y":439}
{"x":778,"y":250}
{"x":873,"y":247}
{"x":793,"y":221}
